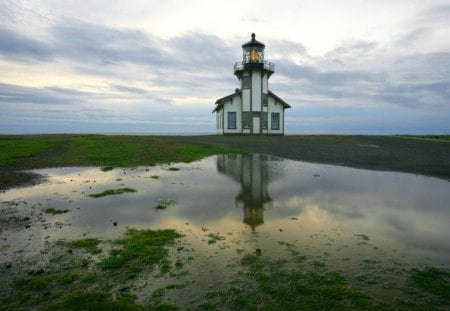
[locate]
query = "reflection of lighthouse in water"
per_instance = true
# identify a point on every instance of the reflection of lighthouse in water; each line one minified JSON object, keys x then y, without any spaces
{"x":253,"y":172}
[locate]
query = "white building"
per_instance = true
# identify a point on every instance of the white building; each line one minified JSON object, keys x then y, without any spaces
{"x":252,"y":109}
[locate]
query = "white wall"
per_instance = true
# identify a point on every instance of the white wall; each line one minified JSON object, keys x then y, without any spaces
{"x":256,"y":91}
{"x":246,"y":100}
{"x":233,"y":105}
{"x":265,"y":89}
{"x":273,"y":106}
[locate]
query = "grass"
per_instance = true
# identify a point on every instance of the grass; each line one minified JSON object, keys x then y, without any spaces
{"x":108,"y":152}
{"x":165,"y":203}
{"x":260,"y":283}
{"x":53,"y":211}
{"x":112,"y":192}
{"x":268,"y":285}
{"x":426,"y":154}
{"x":105,"y":151}
{"x":74,"y":281}
{"x":433,"y":280}
{"x":139,"y":248}
{"x":15,"y":150}
{"x":95,"y":301}
{"x":89,"y":244}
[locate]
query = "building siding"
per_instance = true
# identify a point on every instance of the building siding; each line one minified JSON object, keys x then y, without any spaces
{"x":256,"y":91}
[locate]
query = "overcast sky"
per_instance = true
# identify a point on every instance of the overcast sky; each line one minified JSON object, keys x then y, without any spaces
{"x":344,"y":66}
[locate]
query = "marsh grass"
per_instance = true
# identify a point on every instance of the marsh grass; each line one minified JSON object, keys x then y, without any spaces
{"x":89,"y":244}
{"x":53,"y":211}
{"x":74,"y":281}
{"x":260,"y":283}
{"x":433,"y":280}
{"x":108,"y":152}
{"x":106,"y":168}
{"x":164,"y":203}
{"x":112,"y":192}
{"x":139,"y":249}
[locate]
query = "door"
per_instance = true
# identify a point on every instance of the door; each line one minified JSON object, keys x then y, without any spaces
{"x":256,"y":125}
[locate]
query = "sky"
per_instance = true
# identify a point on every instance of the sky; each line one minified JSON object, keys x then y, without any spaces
{"x":158,"y":66}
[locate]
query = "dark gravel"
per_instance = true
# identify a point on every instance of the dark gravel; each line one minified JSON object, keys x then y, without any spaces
{"x":392,"y":153}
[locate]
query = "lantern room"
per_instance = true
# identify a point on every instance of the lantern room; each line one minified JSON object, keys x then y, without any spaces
{"x":253,"y":58}
{"x":253,"y":51}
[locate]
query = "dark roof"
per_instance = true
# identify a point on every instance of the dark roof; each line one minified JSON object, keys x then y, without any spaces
{"x":285,"y":104}
{"x":221,"y":101}
{"x":253,"y":43}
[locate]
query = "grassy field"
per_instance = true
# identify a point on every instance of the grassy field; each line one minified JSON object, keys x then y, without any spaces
{"x":41,"y":151}
{"x":92,"y":274}
{"x":425,"y":155}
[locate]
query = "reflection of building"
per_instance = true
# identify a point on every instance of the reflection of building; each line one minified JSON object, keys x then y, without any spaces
{"x":254,"y":173}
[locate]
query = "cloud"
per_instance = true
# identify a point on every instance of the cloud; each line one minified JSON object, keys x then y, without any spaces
{"x":20,"y":47}
{"x":103,"y":45}
{"x":19,"y":94}
{"x":134,"y":75}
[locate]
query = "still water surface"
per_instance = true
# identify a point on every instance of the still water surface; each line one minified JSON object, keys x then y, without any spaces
{"x":364,"y":223}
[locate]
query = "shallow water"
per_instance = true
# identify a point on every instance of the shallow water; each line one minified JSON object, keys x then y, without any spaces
{"x":371,"y":225}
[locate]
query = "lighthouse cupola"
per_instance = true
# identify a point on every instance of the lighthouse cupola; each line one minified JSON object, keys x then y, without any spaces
{"x":253,"y":58}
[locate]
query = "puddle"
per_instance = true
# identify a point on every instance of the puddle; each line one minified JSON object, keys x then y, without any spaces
{"x":370,"y":225}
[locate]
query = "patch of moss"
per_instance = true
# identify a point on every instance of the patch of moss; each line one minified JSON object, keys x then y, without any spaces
{"x":165,"y":203}
{"x":89,"y":244}
{"x":139,"y":249}
{"x":154,"y":177}
{"x":433,"y":280}
{"x":53,"y":211}
{"x":174,"y":169}
{"x":270,"y":286}
{"x":364,"y":237}
{"x":106,"y":168}
{"x":112,"y":192}
{"x":95,"y":301}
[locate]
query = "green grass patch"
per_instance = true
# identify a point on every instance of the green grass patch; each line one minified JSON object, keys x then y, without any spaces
{"x":89,"y":244}
{"x":42,"y":151}
{"x":433,"y":280}
{"x":53,"y":211}
{"x":139,"y":249}
{"x":164,"y":203}
{"x":112,"y":192}
{"x":270,"y":286}
{"x":17,"y":149}
{"x":95,"y":301}
{"x":106,"y":168}
{"x":106,"y":151}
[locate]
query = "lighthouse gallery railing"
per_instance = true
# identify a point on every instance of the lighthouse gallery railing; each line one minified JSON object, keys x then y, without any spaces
{"x":266,"y":65}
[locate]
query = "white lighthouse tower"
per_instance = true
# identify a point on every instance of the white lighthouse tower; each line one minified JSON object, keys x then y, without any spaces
{"x":252,"y":109}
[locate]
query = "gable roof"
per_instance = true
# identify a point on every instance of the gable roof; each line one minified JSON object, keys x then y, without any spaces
{"x":285,"y":104}
{"x":221,"y":101}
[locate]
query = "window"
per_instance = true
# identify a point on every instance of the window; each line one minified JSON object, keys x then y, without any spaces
{"x":275,"y":122}
{"x":265,"y":99}
{"x":246,"y":120}
{"x":264,"y":120}
{"x":246,"y":82}
{"x":231,"y":120}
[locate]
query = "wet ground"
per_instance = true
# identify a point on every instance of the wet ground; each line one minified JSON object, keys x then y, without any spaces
{"x":371,"y":226}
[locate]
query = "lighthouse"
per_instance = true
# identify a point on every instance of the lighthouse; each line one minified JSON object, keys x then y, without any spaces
{"x":252,"y":109}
